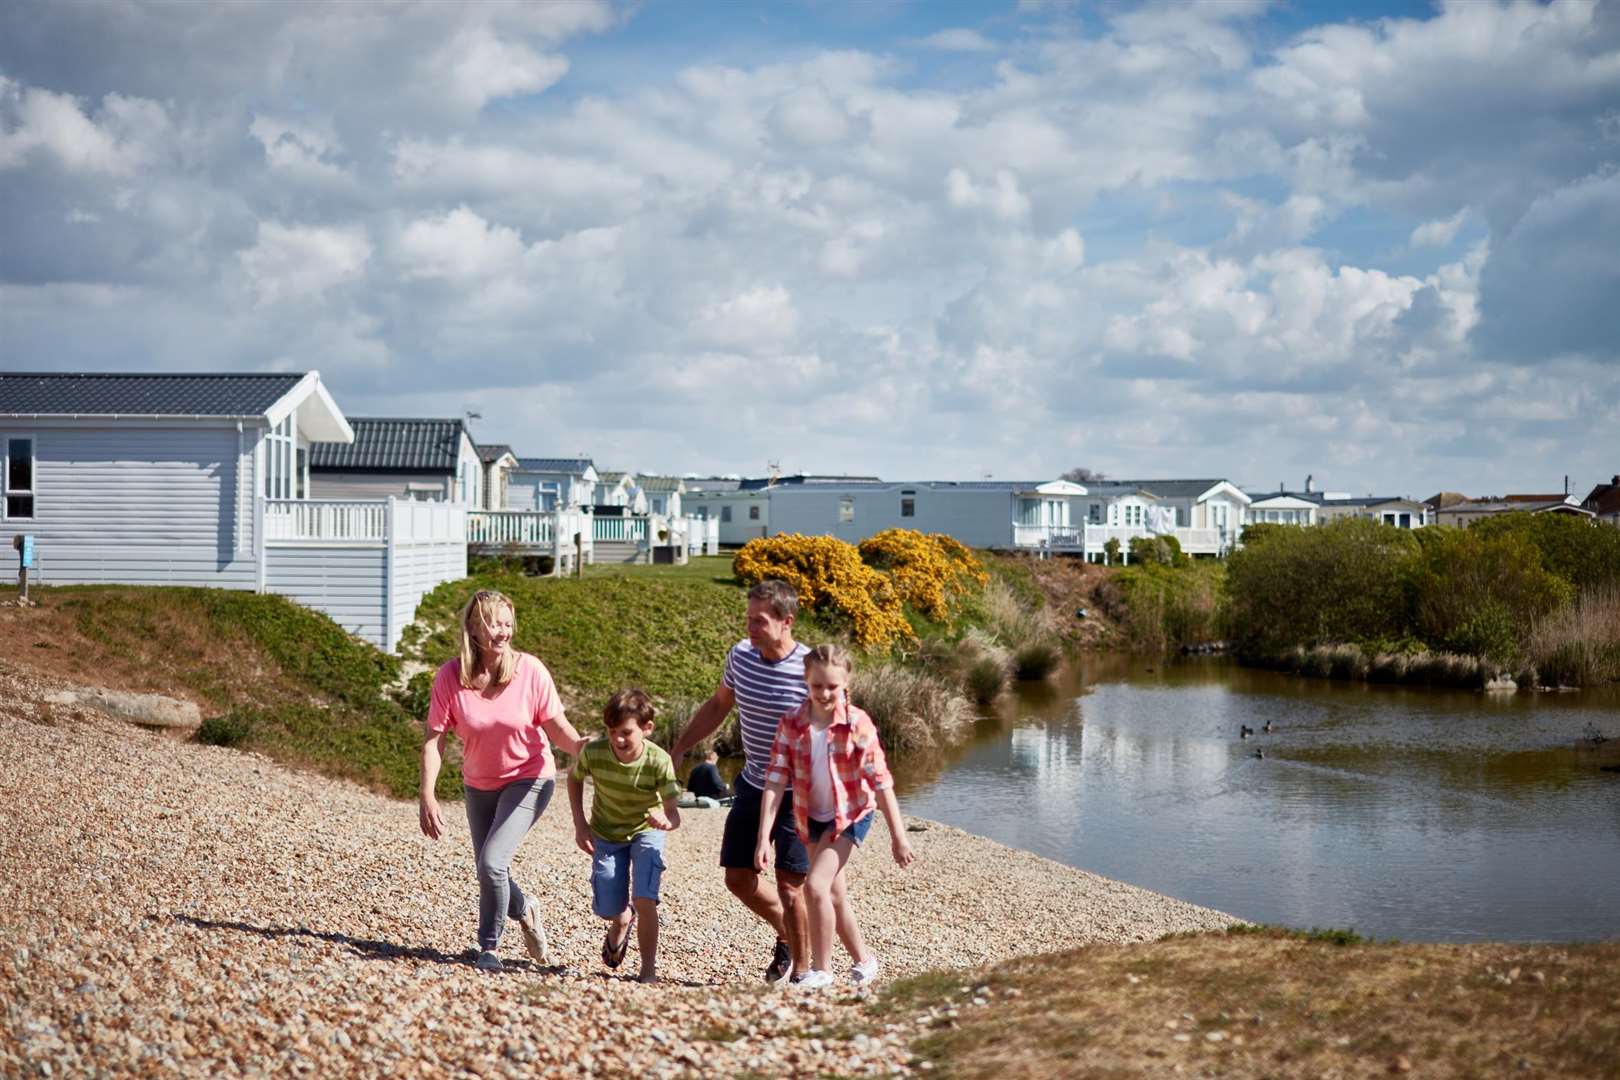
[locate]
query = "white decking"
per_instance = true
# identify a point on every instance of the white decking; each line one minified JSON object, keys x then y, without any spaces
{"x":1090,"y":540}
{"x":629,"y":538}
{"x":365,"y":563}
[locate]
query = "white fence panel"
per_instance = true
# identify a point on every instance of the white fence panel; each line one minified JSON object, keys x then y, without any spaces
{"x":325,"y":520}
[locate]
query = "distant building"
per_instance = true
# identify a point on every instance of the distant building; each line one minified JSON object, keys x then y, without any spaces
{"x":552,"y":483}
{"x":1466,"y":513}
{"x":498,"y":461}
{"x":408,"y":457}
{"x":1604,"y":501}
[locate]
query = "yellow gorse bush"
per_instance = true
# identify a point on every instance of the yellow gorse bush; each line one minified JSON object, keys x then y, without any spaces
{"x":928,"y":570}
{"x":867,"y":586}
{"x":829,"y":576}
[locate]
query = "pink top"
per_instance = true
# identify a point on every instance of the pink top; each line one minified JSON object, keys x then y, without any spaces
{"x":501,"y":737}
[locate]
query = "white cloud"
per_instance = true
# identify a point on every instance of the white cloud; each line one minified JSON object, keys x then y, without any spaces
{"x":118,"y":142}
{"x":476,"y":67}
{"x":290,"y":261}
{"x":757,"y":321}
{"x":1438,"y":233}
{"x":460,"y":246}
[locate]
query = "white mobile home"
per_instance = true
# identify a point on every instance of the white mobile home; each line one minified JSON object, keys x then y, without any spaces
{"x":741,"y":508}
{"x":552,"y":484}
{"x":979,"y":513}
{"x":205,"y":480}
{"x":422,"y":458}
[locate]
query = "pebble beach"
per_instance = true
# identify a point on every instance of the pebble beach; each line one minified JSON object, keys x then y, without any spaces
{"x":177,"y":909}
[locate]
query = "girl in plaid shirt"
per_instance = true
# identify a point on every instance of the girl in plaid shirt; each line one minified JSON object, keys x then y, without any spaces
{"x":829,"y":751}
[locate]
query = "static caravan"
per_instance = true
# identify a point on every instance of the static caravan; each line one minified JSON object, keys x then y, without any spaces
{"x":552,"y":484}
{"x":429,"y":459}
{"x":741,"y":507}
{"x":151,"y":479}
{"x":979,"y":513}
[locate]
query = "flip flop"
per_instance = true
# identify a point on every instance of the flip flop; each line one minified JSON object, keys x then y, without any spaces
{"x":611,"y":956}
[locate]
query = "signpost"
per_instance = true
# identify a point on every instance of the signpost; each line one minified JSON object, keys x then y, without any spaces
{"x":25,"y":549}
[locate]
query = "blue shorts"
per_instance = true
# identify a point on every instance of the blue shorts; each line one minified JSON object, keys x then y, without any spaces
{"x":619,"y":871}
{"x":856,"y":832}
{"x":742,"y":833}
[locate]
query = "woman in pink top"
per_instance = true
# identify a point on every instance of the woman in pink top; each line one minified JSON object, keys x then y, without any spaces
{"x":502,"y":704}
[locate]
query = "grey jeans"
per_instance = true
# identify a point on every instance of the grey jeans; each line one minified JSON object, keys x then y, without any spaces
{"x":499,"y":820}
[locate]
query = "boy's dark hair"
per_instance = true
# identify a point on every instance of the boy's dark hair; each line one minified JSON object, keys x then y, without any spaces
{"x":782,"y":597}
{"x":631,"y":704}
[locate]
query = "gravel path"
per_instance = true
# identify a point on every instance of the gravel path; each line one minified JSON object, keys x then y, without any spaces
{"x":170,"y":908}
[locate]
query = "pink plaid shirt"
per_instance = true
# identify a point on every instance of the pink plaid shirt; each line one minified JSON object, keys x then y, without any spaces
{"x":853,"y":753}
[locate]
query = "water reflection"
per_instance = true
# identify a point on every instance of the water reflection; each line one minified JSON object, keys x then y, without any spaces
{"x":1418,"y":814}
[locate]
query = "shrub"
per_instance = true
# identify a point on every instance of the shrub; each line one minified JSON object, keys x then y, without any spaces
{"x":1111,"y":550}
{"x":913,"y":710}
{"x":831,"y":579}
{"x":1473,"y":590}
{"x":1160,"y":607}
{"x":231,"y":729}
{"x":929,"y":570}
{"x":1342,"y":582}
{"x":981,"y":665}
{"x":1036,"y":658}
{"x":1577,"y":550}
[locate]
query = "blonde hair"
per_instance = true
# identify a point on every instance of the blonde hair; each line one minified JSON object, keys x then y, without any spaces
{"x":831,"y":655}
{"x":485,"y":605}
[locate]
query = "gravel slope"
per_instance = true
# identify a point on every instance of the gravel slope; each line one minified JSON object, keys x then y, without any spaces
{"x":171,"y":908}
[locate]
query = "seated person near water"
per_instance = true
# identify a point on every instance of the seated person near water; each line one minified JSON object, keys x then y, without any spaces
{"x":705,"y":779}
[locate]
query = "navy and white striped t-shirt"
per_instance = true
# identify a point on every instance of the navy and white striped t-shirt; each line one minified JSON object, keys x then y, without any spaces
{"x":766,"y":692}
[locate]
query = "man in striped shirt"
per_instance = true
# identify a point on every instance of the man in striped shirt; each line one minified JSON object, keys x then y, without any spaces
{"x":763,"y":681}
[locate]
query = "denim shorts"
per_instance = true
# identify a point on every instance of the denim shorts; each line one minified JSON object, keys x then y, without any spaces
{"x":856,"y":832}
{"x":622,"y":870}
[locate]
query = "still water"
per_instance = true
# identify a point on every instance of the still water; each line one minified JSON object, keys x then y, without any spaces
{"x":1418,"y":814}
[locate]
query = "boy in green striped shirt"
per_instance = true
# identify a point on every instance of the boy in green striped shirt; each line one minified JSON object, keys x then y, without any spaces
{"x":625,"y":835}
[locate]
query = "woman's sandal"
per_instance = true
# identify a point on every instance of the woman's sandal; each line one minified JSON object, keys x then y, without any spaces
{"x":611,"y":956}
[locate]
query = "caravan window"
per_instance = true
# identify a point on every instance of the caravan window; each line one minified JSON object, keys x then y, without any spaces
{"x":725,"y":513}
{"x":846,"y":509}
{"x":753,"y":513}
{"x":19,"y":478}
{"x":908,"y":507}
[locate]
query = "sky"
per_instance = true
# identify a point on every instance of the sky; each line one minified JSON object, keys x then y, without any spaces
{"x":1373,"y":243}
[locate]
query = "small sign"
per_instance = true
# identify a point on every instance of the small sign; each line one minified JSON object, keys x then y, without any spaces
{"x":27,"y":552}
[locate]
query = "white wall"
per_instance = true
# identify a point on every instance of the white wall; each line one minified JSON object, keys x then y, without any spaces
{"x":978,"y":517}
{"x":377,"y":485}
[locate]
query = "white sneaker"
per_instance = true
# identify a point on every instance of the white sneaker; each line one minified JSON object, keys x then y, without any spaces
{"x":864,"y":973}
{"x":815,"y":980}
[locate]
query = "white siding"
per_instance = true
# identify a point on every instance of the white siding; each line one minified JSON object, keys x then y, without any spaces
{"x":147,"y":505}
{"x":418,"y":570}
{"x":344,"y":582}
{"x":374,"y":485}
{"x":978,"y":517}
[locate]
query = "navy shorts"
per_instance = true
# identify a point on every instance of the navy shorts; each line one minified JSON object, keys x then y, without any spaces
{"x":742,"y":833}
{"x":856,"y":832}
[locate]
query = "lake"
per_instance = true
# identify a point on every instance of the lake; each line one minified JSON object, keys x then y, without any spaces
{"x":1410,"y":813}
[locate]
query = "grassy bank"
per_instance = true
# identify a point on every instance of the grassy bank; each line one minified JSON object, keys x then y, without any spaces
{"x":1160,"y":608}
{"x":269,"y":675}
{"x":1256,"y":1002}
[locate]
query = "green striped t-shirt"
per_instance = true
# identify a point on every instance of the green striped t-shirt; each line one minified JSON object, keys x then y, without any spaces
{"x":624,"y":793}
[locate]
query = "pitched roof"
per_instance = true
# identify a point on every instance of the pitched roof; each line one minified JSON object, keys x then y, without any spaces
{"x":660,"y":483}
{"x":1605,"y":498}
{"x":805,"y":480}
{"x":1371,"y":500}
{"x":1172,"y":489}
{"x":574,"y":466}
{"x":1442,"y":499}
{"x":393,"y":444}
{"x":610,"y":478}
{"x":108,"y":394}
{"x":711,"y":484}
{"x":493,"y":452}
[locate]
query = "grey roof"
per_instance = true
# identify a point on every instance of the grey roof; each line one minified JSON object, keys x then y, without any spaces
{"x":610,"y":477}
{"x":1109,"y":489}
{"x":392,"y":444}
{"x":806,"y":480}
{"x":571,"y":466}
{"x":1172,"y":489}
{"x":660,"y":483}
{"x":700,"y":484}
{"x":107,"y":394}
{"x":1370,"y":500}
{"x":493,"y":452}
